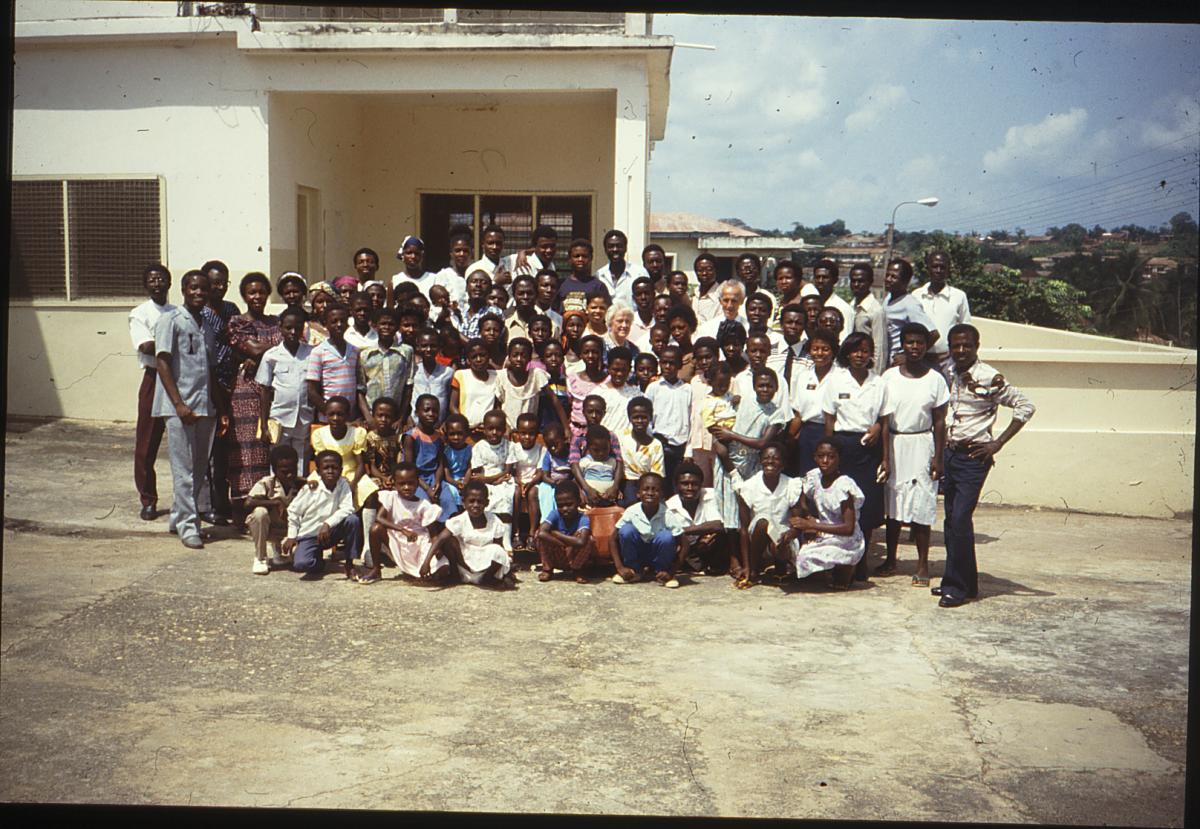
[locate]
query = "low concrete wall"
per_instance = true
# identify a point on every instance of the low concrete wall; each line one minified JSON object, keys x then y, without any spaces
{"x":1115,"y":428}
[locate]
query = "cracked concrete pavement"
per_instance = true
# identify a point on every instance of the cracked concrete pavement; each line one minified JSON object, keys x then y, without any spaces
{"x":136,"y":671}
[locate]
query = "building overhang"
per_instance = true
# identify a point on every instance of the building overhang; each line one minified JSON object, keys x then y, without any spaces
{"x":280,"y":39}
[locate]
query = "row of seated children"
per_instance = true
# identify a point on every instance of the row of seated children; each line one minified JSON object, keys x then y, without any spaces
{"x":800,"y":526}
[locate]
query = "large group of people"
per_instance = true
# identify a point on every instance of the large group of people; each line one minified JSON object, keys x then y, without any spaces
{"x":437,"y":423}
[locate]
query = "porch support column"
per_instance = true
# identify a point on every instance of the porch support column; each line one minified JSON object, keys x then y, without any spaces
{"x":631,"y":152}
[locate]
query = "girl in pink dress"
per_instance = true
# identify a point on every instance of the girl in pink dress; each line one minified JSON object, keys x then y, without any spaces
{"x":404,"y":529}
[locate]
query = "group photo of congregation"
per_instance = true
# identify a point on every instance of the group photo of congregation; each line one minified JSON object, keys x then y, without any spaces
{"x":433,"y":425}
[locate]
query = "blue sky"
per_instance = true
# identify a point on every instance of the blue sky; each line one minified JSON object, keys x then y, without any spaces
{"x":1009,"y":124}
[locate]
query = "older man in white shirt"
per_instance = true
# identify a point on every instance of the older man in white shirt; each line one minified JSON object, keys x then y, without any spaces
{"x":732,"y":295}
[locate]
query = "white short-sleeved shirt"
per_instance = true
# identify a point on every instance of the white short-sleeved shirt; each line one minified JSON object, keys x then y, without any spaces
{"x":616,"y":405}
{"x":672,"y":410}
{"x":707,"y":510}
{"x":423,"y":282}
{"x":649,"y":526}
{"x":620,"y":287}
{"x":142,"y":320}
{"x":284,"y":372}
{"x":483,"y":264}
{"x":361,"y":341}
{"x":743,"y":387}
{"x":857,"y":408}
{"x":493,"y":458}
{"x":709,"y":328}
{"x":436,"y":383}
{"x":947,"y":308}
{"x":808,"y":392}
{"x":527,"y":461}
{"x":773,"y":505}
{"x":456,"y":285}
{"x":911,"y":400}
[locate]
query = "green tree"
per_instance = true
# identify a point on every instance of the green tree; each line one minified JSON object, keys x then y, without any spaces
{"x":1182,"y":224}
{"x":1072,"y":235}
{"x":1004,"y":295}
{"x":834,"y":229}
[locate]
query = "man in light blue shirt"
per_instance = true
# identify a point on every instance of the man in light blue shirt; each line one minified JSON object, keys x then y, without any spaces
{"x":186,"y":355}
{"x":647,"y":535}
{"x":902,"y":307}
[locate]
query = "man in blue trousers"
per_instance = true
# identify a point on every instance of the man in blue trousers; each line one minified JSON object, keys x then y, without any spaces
{"x":976,"y":391}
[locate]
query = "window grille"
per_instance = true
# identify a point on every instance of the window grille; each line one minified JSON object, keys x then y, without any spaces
{"x":84,"y":238}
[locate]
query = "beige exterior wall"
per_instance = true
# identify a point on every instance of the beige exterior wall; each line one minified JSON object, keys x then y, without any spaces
{"x":1115,"y":427}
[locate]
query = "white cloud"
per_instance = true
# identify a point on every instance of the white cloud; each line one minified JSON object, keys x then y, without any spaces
{"x":873,"y":106}
{"x":1042,"y":141}
{"x":1177,"y":118}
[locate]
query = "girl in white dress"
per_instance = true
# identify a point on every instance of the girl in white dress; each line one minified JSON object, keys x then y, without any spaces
{"x":914,"y":408}
{"x":490,"y":464}
{"x":404,"y":529}
{"x":472,"y":541}
{"x":473,"y":389}
{"x":764,"y":501}
{"x":832,"y":501}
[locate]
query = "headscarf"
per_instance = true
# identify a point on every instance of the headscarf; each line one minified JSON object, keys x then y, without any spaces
{"x":409,"y":240}
{"x":345,"y":280}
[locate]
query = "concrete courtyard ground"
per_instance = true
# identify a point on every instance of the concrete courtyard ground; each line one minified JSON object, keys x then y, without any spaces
{"x":135,"y":671}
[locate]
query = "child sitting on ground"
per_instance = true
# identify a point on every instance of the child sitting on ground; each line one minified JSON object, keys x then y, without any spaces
{"x":564,"y":539}
{"x":830,"y":517}
{"x":268,"y":502}
{"x":321,"y":516}
{"x":599,"y":473}
{"x":403,"y":531}
{"x":350,"y":443}
{"x":472,"y":540}
{"x":646,"y":539}
{"x":526,"y":456}
{"x":490,"y":464}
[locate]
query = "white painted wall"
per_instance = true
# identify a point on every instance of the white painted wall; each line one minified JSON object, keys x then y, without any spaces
{"x":84,"y":9}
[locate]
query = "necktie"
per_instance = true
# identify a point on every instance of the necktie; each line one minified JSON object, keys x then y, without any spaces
{"x":787,"y":366}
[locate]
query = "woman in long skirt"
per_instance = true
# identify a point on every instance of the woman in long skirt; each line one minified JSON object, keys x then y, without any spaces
{"x":250,"y":335}
{"x":914,"y":401}
{"x":853,"y":405}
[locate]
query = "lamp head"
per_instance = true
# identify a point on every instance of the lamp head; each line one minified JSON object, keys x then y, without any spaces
{"x":929,"y":201}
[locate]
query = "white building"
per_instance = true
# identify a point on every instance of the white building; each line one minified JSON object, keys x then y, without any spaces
{"x":147,"y":131}
{"x":684,"y":236}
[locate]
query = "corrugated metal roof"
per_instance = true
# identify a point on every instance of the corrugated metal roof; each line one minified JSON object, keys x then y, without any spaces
{"x":693,"y":223}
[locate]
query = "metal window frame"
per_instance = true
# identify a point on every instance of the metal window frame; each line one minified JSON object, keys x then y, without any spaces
{"x":73,"y":302}
{"x":532,"y":194}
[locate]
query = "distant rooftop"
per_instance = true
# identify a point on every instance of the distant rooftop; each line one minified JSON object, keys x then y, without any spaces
{"x":692,"y":224}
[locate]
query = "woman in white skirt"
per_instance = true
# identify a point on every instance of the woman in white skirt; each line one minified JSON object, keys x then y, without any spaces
{"x":914,"y":411}
{"x":832,"y":502}
{"x":473,"y":542}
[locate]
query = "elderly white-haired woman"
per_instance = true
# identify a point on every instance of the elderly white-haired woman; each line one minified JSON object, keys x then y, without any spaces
{"x":619,"y":320}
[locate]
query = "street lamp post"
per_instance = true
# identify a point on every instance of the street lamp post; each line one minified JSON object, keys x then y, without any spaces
{"x":928,"y":201}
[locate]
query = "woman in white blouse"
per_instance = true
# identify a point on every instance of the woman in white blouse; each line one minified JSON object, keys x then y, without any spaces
{"x":852,"y":401}
{"x":914,"y":403}
{"x":807,"y":395}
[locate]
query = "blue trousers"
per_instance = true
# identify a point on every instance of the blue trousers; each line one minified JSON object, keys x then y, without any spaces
{"x":637,"y":553}
{"x":962,"y":482}
{"x":308,"y":556}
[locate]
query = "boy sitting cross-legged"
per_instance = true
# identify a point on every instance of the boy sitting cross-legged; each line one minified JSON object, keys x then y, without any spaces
{"x":268,"y":501}
{"x":320,"y":516}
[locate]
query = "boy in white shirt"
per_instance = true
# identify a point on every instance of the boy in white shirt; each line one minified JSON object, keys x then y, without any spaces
{"x":320,"y":516}
{"x":646,"y":537}
{"x":672,"y":399}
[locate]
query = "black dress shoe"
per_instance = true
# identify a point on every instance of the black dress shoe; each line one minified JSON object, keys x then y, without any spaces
{"x":211,"y":517}
{"x":936,"y":591}
{"x":950,"y":601}
{"x":149,"y":512}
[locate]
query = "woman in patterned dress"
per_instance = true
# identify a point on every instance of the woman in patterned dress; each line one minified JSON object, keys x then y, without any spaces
{"x":250,"y":335}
